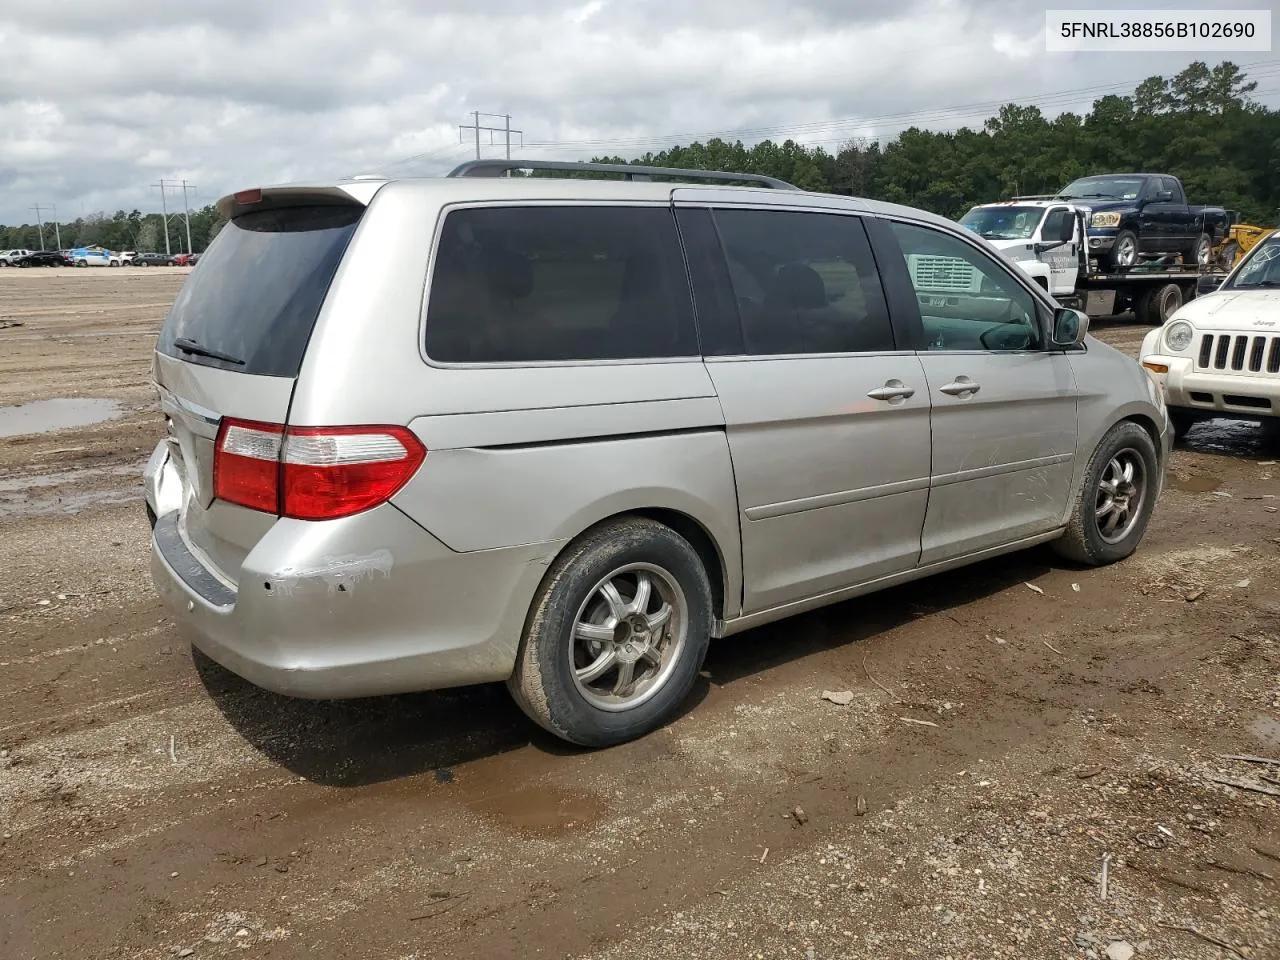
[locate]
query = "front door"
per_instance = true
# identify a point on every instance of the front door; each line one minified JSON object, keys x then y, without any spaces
{"x":827,"y":420}
{"x":1003,"y":406}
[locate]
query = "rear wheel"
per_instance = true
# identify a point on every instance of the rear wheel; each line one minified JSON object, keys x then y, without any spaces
{"x":1114,"y":503}
{"x":616,"y":634}
{"x":1200,"y":252}
{"x":1156,"y":306}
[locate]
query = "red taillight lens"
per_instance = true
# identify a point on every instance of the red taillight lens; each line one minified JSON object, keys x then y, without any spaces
{"x":248,"y":196}
{"x":312,"y":473}
{"x":333,"y":472}
{"x":246,"y":464}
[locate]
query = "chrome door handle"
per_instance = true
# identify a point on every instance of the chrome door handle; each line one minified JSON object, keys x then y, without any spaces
{"x":960,"y":387}
{"x":895,"y":391}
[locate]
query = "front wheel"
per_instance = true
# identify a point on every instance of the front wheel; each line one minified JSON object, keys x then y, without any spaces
{"x":616,"y":634}
{"x":1114,"y":503}
{"x":1124,"y":253}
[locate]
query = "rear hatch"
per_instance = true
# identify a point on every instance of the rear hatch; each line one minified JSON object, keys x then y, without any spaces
{"x":233,"y":344}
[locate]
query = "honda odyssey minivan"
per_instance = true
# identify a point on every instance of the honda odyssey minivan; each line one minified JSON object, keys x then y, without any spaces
{"x":560,"y":431}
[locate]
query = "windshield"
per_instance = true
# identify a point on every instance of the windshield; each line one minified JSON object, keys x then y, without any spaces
{"x":1260,"y":267}
{"x":1003,"y":223}
{"x":1103,"y":188}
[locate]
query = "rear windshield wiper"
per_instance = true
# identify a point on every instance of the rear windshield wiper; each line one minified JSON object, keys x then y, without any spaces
{"x":190,"y":346}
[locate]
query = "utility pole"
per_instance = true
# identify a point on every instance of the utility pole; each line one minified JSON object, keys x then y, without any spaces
{"x":165,"y":220}
{"x":477,"y":127}
{"x":57,"y":234}
{"x":186,"y":212}
{"x":40,"y":224}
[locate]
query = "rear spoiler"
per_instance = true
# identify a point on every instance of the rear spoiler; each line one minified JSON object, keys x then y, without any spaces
{"x":356,"y":193}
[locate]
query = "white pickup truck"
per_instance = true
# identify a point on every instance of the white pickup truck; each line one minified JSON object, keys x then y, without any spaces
{"x":1046,"y":237}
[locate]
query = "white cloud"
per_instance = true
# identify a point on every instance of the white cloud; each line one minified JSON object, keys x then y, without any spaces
{"x":98,"y":101}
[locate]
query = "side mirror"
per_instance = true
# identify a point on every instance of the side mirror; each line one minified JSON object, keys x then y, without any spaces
{"x":1208,"y":282}
{"x":1067,"y":231}
{"x":1069,"y":327}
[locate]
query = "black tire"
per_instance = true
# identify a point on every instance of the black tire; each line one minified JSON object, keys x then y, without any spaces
{"x":1157,"y":305}
{"x":1126,"y":240}
{"x":543,"y":683}
{"x":1181,"y":422}
{"x":1083,"y":541}
{"x":1191,"y":255}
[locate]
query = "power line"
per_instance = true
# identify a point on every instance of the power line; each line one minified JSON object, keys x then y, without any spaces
{"x":1269,"y":67}
{"x":475,"y":125}
{"x":39,"y":224}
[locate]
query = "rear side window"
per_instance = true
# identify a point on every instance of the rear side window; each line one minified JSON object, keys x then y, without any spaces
{"x":545,"y":284}
{"x":805,"y":283}
{"x":257,"y":291}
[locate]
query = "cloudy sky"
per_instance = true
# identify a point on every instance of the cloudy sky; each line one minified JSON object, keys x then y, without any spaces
{"x":100,"y":100}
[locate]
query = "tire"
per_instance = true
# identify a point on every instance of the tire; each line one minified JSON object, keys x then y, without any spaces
{"x":1181,"y":422}
{"x":1084,"y":541}
{"x":1200,"y":252}
{"x":584,"y":711}
{"x":1124,"y":252}
{"x":82,"y":263}
{"x":1157,"y":305}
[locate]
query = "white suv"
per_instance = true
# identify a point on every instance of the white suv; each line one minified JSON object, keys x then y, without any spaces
{"x":1219,"y":355}
{"x":10,"y":258}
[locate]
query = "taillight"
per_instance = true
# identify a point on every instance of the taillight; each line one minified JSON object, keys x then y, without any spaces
{"x":246,"y":464}
{"x":312,"y":473}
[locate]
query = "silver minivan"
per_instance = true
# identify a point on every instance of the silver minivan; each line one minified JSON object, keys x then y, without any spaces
{"x":560,"y":429}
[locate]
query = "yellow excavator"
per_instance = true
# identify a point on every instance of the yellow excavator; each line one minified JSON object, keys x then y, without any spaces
{"x":1239,"y":240}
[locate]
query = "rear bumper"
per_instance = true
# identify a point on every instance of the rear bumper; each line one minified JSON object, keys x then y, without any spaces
{"x":363,"y":606}
{"x":1214,"y":392}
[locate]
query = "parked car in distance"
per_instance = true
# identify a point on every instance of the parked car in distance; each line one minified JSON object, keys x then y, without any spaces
{"x":623,"y":417}
{"x":1219,"y":355}
{"x":182,"y":259}
{"x":42,"y":258}
{"x":1133,"y":215}
{"x":10,"y":258}
{"x":152,"y":260}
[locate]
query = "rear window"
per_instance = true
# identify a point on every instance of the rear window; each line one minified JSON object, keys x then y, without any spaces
{"x":541,"y":284}
{"x":257,"y":291}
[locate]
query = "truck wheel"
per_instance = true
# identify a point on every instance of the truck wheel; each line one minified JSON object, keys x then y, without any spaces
{"x":1114,"y":503}
{"x":1199,"y":253}
{"x":1124,"y":254}
{"x":616,"y":634}
{"x":1156,"y":306}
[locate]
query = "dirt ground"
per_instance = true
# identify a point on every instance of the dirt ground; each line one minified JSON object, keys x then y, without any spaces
{"x":1013,"y":727}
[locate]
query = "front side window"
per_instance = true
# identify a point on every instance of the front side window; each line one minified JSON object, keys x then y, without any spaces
{"x":805,"y":283}
{"x":552,"y":284}
{"x":967,"y":300}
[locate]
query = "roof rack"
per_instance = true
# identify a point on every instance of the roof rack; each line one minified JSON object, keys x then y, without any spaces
{"x":1036,"y":196}
{"x":496,"y":168}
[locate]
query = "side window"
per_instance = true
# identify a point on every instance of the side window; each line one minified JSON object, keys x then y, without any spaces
{"x":539,"y":284}
{"x":1054,"y":223}
{"x":805,"y":283}
{"x":967,"y":300}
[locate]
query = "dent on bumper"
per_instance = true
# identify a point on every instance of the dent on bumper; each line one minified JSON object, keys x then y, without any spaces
{"x":363,"y":606}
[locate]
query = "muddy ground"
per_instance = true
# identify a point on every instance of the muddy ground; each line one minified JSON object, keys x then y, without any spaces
{"x":1012,"y":726}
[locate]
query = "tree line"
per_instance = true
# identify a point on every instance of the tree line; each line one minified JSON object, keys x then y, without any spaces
{"x":1201,"y":125}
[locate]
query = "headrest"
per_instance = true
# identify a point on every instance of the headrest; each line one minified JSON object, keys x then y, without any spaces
{"x":799,"y":287}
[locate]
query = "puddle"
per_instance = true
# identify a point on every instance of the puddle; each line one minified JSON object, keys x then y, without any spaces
{"x":1196,"y":484}
{"x":540,"y":809}
{"x":1237,"y":437}
{"x":33,"y":495}
{"x":1267,"y":729}
{"x":45,"y":416}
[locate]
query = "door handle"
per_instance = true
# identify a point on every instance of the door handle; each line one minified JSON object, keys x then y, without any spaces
{"x":895,"y":391}
{"x":960,"y":387}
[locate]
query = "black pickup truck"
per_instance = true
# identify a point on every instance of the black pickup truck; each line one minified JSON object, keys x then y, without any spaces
{"x":1136,"y":216}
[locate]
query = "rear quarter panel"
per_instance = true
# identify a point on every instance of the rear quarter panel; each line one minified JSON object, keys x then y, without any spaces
{"x":516,"y":454}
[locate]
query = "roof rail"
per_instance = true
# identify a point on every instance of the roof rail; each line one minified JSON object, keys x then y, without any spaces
{"x":1036,"y":196}
{"x":496,"y":168}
